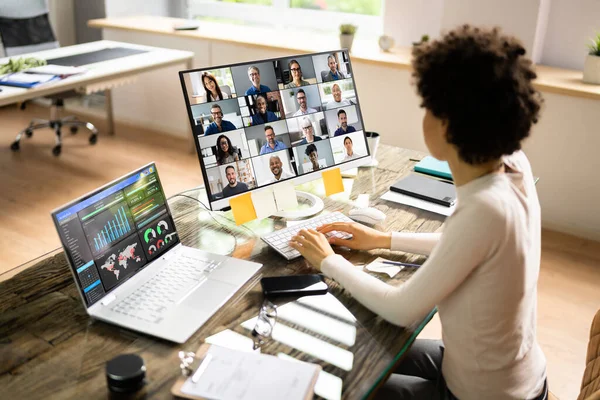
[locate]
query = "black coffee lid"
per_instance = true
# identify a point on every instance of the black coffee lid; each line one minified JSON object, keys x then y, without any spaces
{"x":125,"y":373}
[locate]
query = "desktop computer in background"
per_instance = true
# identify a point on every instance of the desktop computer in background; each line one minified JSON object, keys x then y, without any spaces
{"x":258,"y":124}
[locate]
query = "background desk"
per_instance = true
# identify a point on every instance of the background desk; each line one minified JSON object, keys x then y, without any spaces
{"x":100,"y":76}
{"x":48,"y":345}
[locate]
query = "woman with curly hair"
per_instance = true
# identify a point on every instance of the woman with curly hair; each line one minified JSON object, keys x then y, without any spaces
{"x":226,"y":152}
{"x":482,"y":270}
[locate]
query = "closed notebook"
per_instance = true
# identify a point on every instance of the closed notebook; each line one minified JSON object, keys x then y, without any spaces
{"x":435,"y":167}
{"x":424,"y":188}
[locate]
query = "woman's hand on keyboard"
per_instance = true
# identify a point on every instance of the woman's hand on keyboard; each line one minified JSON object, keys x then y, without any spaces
{"x":312,"y":245}
{"x":363,"y":237}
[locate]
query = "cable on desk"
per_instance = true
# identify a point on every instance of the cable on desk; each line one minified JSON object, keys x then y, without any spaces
{"x":210,"y":212}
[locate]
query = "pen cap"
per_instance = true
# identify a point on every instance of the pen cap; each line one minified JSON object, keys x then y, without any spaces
{"x":125,"y":373}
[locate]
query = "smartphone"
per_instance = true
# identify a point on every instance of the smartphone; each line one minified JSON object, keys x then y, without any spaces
{"x":293,"y":285}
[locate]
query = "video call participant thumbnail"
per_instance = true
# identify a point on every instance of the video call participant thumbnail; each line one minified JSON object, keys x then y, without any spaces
{"x":337,"y":101}
{"x":302,"y":103}
{"x":212,"y":88}
{"x":234,"y":186}
{"x":276,"y":167}
{"x":349,"y":147}
{"x":226,"y":152}
{"x":219,"y":124}
{"x":344,"y":128}
{"x":308,"y":131}
{"x":262,"y":115}
{"x":313,"y":155}
{"x":334,"y":74}
{"x":272,"y":144}
{"x":296,"y":71}
{"x":254,"y":76}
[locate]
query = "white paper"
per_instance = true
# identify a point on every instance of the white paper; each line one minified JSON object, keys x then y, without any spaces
{"x":377,"y":266}
{"x":418,"y":203}
{"x":22,"y":77}
{"x":231,"y":340}
{"x":52,"y":69}
{"x":285,"y":196}
{"x":328,"y":386}
{"x":232,"y":374}
{"x":264,"y":203}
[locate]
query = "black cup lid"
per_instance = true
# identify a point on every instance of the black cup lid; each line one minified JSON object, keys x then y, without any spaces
{"x":125,"y":372}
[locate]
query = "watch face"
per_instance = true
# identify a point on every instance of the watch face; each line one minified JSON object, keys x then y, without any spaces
{"x":386,"y":42}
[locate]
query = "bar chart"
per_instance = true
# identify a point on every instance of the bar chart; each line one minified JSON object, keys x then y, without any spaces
{"x":115,"y":228}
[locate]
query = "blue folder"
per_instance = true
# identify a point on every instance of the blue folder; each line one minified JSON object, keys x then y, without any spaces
{"x":6,"y":81}
{"x":435,"y":167}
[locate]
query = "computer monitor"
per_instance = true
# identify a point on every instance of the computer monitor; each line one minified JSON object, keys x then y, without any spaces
{"x":258,"y":124}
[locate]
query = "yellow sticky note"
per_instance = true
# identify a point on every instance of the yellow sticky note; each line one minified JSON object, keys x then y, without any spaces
{"x":243,"y":209}
{"x":333,"y":181}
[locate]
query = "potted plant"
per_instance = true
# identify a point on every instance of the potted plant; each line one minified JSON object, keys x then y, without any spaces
{"x":347,"y":32}
{"x":591,"y":68}
{"x":424,"y":39}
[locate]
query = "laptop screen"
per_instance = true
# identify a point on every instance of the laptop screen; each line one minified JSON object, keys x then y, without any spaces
{"x":112,"y":233}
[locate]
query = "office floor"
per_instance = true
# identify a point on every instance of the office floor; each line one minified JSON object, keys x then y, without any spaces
{"x":34,"y":182}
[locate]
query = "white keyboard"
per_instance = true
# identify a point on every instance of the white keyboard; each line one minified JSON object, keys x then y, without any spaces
{"x":167,"y":288}
{"x":279,"y":240}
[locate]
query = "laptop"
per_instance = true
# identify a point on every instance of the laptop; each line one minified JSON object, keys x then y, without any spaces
{"x":130,"y":267}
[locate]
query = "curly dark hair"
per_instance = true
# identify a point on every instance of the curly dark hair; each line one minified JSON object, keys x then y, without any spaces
{"x":310,"y":149}
{"x":480,"y":83}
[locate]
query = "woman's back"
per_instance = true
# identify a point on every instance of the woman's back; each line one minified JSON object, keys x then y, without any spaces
{"x":489,"y":320}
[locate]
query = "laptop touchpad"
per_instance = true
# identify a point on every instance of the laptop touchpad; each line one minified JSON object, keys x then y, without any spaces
{"x":210,"y":296}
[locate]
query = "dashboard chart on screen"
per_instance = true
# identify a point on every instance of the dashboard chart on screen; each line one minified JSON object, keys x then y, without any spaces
{"x":112,"y":234}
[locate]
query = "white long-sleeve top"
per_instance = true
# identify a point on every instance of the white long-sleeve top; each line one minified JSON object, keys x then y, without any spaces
{"x":482,"y":274}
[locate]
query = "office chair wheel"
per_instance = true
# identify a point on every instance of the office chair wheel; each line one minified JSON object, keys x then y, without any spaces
{"x":93,"y":139}
{"x":73,"y":130}
{"x":28,"y":132}
{"x":56,"y":150}
{"x":15,"y":146}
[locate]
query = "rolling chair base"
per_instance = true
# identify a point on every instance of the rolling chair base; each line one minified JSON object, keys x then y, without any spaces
{"x":55,"y":123}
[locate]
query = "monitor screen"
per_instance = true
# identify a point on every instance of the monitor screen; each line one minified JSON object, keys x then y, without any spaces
{"x":260,"y":123}
{"x":112,"y":233}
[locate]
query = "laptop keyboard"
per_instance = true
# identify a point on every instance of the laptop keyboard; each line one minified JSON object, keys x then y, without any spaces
{"x":166,"y":289}
{"x":279,"y":240}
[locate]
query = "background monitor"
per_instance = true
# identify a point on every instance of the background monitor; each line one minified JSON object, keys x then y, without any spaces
{"x":256,"y":144}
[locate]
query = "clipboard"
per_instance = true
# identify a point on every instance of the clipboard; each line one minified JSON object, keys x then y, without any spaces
{"x":200,"y":356}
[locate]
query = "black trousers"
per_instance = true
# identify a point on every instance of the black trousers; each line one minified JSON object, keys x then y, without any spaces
{"x":419,"y":376}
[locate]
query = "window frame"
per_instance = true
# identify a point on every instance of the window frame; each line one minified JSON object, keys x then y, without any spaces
{"x":281,"y":16}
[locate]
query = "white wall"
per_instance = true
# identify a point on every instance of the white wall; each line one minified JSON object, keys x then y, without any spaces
{"x":127,"y":8}
{"x":407,"y":20}
{"x":571,"y":24}
{"x":515,"y":17}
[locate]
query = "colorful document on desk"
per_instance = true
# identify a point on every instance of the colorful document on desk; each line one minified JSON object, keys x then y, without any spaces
{"x":26,"y":80}
{"x":230,"y":374}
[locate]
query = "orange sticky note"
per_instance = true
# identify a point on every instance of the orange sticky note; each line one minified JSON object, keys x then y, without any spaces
{"x":333,"y":181}
{"x":243,"y":209}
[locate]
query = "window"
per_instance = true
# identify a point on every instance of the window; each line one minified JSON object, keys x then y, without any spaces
{"x":317,"y":15}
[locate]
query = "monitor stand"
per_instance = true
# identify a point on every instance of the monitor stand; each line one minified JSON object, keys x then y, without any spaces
{"x":308,"y":205}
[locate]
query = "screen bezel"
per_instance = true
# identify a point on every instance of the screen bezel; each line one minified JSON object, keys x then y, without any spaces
{"x":223,"y":203}
{"x":86,"y":196}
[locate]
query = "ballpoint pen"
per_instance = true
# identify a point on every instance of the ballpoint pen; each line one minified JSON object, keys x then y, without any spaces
{"x":401,"y":264}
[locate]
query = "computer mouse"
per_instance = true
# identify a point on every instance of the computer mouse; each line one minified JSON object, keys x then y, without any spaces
{"x":368,"y":215}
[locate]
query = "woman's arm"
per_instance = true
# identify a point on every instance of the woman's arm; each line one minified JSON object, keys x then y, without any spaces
{"x":418,"y":243}
{"x":467,"y":241}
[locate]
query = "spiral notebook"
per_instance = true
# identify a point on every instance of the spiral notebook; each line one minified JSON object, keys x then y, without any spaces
{"x":226,"y":374}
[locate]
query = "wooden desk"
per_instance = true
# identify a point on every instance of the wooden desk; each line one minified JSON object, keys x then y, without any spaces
{"x":49,"y":346}
{"x":101,"y":76}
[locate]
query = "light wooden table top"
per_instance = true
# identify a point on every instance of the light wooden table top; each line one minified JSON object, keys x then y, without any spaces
{"x":49,"y":345}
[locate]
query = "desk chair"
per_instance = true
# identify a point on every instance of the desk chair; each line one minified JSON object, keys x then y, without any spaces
{"x":25,"y":28}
